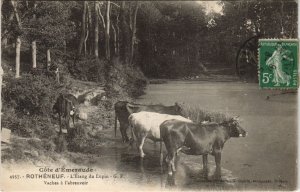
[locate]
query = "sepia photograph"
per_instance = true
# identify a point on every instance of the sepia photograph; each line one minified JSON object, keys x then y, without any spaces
{"x":149,"y":95}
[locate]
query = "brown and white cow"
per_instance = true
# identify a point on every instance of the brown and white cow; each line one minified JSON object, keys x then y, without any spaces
{"x":146,"y":125}
{"x":123,"y":109}
{"x":198,"y":139}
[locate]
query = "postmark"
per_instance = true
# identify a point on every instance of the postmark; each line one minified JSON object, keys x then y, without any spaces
{"x":278,"y":63}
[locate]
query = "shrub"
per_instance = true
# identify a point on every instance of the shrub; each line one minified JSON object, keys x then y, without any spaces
{"x":61,"y":144}
{"x":78,"y":139}
{"x":28,"y":126}
{"x":89,"y":69}
{"x":125,"y":80}
{"x":32,"y":94}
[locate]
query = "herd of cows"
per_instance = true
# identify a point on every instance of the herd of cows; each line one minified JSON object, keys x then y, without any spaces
{"x":167,"y":125}
{"x":164,"y":124}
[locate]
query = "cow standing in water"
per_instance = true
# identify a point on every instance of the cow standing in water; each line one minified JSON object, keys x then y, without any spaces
{"x":66,"y":106}
{"x":198,"y":139}
{"x":146,"y":125}
{"x":123,"y":109}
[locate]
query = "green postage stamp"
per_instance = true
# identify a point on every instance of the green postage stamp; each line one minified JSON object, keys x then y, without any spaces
{"x":278,"y":63}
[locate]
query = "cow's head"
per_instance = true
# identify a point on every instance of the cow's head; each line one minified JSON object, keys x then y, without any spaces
{"x":73,"y":110}
{"x":132,"y":108}
{"x":234,"y":128}
{"x":178,"y":108}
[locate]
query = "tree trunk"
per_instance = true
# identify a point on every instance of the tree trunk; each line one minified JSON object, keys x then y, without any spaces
{"x":118,"y":35}
{"x":107,"y":35}
{"x":85,"y":40}
{"x":48,"y":59}
{"x":33,"y":52}
{"x":83,"y":30}
{"x":90,"y":27}
{"x":115,"y":40}
{"x":96,"y":40}
{"x":18,"y":40}
{"x":18,"y":54}
{"x":124,"y":37}
{"x":133,"y":36}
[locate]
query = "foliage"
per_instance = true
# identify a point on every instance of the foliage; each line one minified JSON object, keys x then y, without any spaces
{"x":31,"y":94}
{"x":78,"y":139}
{"x":173,"y":38}
{"x":89,"y":69}
{"x":124,"y":79}
{"x":28,"y":125}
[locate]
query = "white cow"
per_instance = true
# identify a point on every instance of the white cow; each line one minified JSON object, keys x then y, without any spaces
{"x":146,"y":124}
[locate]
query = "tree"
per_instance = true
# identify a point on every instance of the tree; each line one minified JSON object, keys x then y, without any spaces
{"x":107,"y":30}
{"x":133,"y":29}
{"x":83,"y":28}
{"x":96,"y":42}
{"x":18,"y":39}
{"x":1,"y":74}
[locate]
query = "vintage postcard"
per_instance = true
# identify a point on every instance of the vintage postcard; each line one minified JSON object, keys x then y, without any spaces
{"x":149,"y":95}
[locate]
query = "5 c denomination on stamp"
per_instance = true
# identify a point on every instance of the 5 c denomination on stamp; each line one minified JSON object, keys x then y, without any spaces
{"x":278,"y":63}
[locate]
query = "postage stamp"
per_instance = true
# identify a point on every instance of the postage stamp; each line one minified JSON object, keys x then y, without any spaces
{"x":278,"y":63}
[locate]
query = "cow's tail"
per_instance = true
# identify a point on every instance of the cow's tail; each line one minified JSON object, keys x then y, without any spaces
{"x":116,"y":123}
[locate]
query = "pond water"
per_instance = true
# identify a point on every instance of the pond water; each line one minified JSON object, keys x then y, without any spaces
{"x":264,"y":160}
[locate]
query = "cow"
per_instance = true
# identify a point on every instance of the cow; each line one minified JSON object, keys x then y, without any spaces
{"x":66,"y":107}
{"x":198,"y":139}
{"x":146,"y":125}
{"x":124,"y":108}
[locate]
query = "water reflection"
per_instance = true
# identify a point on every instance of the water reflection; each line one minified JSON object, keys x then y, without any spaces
{"x":189,"y":173}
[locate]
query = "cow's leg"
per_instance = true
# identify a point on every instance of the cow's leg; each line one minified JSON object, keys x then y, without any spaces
{"x":73,"y":119}
{"x":161,"y":153}
{"x":123,"y":129}
{"x":205,"y":165}
{"x":218,"y":164}
{"x":168,"y":161}
{"x":173,"y":160}
{"x":59,"y":118}
{"x":68,"y":123}
{"x":126,"y":139}
{"x":142,"y":140}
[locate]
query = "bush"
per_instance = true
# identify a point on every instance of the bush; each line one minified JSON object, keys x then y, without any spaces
{"x":28,"y":126}
{"x":89,"y":69}
{"x":78,"y":139}
{"x":125,"y":80}
{"x":32,"y":94}
{"x":61,"y":144}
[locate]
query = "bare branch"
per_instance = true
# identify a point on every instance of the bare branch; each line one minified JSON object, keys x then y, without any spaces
{"x":14,"y":5}
{"x":115,"y":4}
{"x":101,"y":16}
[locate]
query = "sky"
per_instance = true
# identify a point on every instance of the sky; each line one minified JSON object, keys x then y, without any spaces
{"x":211,"y":6}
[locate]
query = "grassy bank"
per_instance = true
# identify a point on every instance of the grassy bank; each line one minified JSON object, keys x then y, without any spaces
{"x":28,"y":103}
